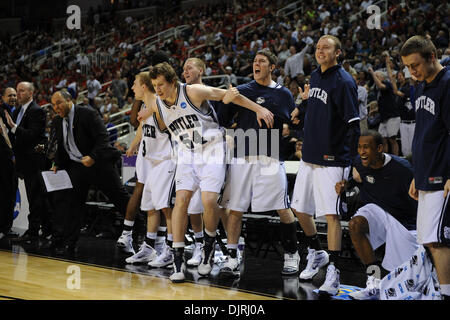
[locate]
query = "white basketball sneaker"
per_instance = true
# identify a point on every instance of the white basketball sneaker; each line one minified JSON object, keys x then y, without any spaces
{"x":230,"y":267}
{"x":371,"y":292}
{"x":179,"y":267}
{"x":165,"y":259}
{"x":316,"y":260}
{"x":125,"y":242}
{"x":196,"y":255}
{"x":291,"y":263}
{"x":331,"y":284}
{"x":144,"y":255}
{"x":206,"y":263}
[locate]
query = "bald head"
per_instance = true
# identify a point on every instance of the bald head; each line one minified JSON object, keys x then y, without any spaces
{"x":9,"y":96}
{"x":61,"y":102}
{"x":25,"y":92}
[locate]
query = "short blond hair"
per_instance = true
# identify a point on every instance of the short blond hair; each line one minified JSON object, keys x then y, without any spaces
{"x":144,"y":78}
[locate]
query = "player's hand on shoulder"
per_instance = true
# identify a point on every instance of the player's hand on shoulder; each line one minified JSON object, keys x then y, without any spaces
{"x":144,"y":114}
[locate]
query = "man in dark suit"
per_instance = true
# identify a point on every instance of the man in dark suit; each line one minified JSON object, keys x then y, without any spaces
{"x":84,"y":152}
{"x":28,"y":127}
{"x":8,"y":181}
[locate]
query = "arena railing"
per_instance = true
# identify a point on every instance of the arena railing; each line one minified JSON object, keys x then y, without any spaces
{"x":248,"y":26}
{"x":292,"y":7}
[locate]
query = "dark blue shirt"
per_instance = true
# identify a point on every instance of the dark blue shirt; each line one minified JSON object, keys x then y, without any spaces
{"x":387,"y":105}
{"x":431,"y":143}
{"x":332,"y":104}
{"x":279,"y":101}
{"x":388,"y":188}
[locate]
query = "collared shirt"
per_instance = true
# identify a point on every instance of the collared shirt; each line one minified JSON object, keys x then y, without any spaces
{"x":24,"y":107}
{"x":69,"y":141}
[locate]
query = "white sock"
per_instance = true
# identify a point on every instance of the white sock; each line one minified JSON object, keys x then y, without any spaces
{"x":151,"y":235}
{"x":178,"y":245}
{"x":198,"y":234}
{"x":170,"y":237}
{"x":211,"y":234}
{"x":128,"y":223}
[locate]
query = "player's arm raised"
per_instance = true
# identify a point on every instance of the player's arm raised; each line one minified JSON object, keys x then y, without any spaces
{"x":201,"y":92}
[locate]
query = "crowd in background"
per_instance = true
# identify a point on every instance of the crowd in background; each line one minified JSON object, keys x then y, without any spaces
{"x":108,"y":50}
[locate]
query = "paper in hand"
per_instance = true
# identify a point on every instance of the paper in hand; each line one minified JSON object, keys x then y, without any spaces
{"x":56,"y":181}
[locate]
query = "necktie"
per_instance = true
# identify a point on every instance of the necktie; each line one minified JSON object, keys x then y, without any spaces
{"x":20,"y":116}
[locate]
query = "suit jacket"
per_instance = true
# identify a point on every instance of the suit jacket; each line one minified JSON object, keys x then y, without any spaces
{"x":90,"y":135}
{"x":5,"y":152}
{"x":29,"y":133}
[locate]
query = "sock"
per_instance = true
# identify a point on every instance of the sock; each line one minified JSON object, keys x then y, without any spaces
{"x":127,"y":225}
{"x":178,"y":254}
{"x":162,"y":231}
{"x":374,"y":269}
{"x":232,"y":250}
{"x":209,"y":239}
{"x":334,"y":258}
{"x":210,"y":234}
{"x":198,"y":237}
{"x":150,"y":239}
{"x":289,"y":237}
{"x":313,"y":242}
{"x":169,"y":240}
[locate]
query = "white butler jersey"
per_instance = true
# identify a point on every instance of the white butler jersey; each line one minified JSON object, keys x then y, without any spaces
{"x":156,"y":145}
{"x":191,"y":127}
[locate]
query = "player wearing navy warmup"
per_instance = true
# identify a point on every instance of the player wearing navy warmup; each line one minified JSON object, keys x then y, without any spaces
{"x":257,"y":176}
{"x":330,"y":140}
{"x":387,"y":215}
{"x":431,"y":152}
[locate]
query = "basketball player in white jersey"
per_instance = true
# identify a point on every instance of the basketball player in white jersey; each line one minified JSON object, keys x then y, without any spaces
{"x":201,"y":154}
{"x":155,"y":151}
{"x":192,"y":72}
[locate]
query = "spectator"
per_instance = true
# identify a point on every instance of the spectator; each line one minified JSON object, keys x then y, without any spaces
{"x":390,"y":116}
{"x":119,"y":89}
{"x":93,"y":87}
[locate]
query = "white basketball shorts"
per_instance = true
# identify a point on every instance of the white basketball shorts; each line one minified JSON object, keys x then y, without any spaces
{"x":261,"y":183}
{"x":383,"y":228}
{"x":158,"y":187}
{"x":433,"y":218}
{"x":314,"y":192}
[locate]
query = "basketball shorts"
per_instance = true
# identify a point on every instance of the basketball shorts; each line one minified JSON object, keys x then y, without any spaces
{"x":157,"y":193}
{"x":390,"y":127}
{"x":204,"y":170}
{"x":261,"y":183}
{"x":433,"y":218}
{"x":141,"y":168}
{"x":314,"y":192}
{"x":400,"y":242}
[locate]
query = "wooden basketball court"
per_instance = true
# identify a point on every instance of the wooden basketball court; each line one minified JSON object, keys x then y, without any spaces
{"x":28,"y":276}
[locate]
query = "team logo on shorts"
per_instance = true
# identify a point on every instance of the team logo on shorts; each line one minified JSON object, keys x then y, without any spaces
{"x":446,"y":232}
{"x":260,"y":100}
{"x":183,"y":105}
{"x":370,"y":179}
